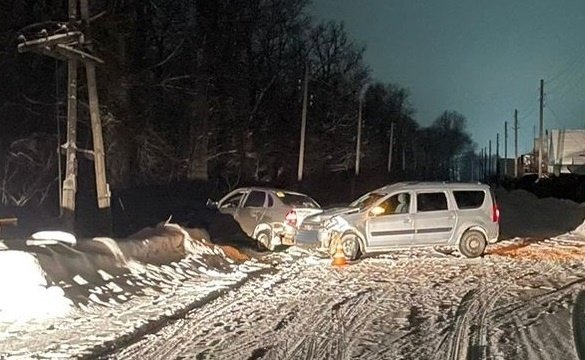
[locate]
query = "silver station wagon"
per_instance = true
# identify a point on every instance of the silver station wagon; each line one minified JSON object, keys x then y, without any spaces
{"x":408,"y":214}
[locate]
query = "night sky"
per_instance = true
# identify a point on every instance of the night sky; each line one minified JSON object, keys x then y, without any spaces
{"x":481,"y":58}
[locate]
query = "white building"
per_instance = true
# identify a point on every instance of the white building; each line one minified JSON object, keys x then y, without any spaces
{"x":566,"y":150}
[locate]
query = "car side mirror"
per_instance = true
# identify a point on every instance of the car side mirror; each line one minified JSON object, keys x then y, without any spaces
{"x":378,"y":210}
{"x":211,"y":204}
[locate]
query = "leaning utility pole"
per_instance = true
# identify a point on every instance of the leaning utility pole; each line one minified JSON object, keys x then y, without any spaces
{"x":541,"y":131}
{"x":515,"y":143}
{"x":303,"y":124}
{"x":67,"y":43}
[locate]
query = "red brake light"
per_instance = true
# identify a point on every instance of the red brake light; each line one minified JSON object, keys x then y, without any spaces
{"x":495,"y":213}
{"x":291,"y":218}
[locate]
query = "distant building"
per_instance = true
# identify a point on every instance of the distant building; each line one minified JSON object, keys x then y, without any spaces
{"x":567,"y":151}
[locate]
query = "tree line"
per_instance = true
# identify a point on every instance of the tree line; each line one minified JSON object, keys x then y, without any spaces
{"x":211,"y":89}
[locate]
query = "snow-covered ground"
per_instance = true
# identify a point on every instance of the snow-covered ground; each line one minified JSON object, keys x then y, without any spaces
{"x":525,"y":299}
{"x":407,"y":305}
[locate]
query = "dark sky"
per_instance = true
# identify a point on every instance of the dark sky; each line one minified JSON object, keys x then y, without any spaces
{"x":483,"y":58}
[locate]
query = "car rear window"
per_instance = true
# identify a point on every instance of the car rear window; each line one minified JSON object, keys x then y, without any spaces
{"x":469,"y":199}
{"x":296,"y":200}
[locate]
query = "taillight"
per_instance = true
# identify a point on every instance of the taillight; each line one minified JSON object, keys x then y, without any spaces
{"x":291,"y":218}
{"x":495,"y":213}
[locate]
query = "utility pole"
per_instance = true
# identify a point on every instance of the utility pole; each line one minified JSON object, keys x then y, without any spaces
{"x":505,"y":148}
{"x":498,"y":155}
{"x":541,"y":131}
{"x":390,"y":147}
{"x":103,"y":191}
{"x":490,"y":160}
{"x":485,"y":163}
{"x":359,"y":136}
{"x":303,"y":123}
{"x":480,"y":173}
{"x":515,"y":143}
{"x":69,"y":44}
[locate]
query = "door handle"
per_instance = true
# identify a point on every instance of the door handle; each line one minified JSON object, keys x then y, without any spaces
{"x":407,"y":221}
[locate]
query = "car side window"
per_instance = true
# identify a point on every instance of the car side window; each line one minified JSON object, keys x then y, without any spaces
{"x":432,"y":201}
{"x":395,"y":204}
{"x":469,"y":199}
{"x":232,"y":201}
{"x":255,"y":199}
{"x":270,"y":201}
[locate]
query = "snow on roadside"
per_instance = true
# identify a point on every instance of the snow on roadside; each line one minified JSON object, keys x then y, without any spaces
{"x":525,"y":215}
{"x":25,"y":292}
{"x":103,"y":293}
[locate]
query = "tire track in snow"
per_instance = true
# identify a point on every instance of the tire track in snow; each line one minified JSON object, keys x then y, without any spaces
{"x":460,"y":328}
{"x":470,"y":332}
{"x":579,"y":324}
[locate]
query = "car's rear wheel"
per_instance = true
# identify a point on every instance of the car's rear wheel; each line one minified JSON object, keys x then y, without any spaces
{"x":472,"y":244}
{"x":264,"y":240}
{"x":351,"y":246}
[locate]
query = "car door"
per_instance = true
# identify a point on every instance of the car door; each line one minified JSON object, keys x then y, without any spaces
{"x":230,"y":203}
{"x":250,"y":213}
{"x":435,"y":217}
{"x":389,"y":223}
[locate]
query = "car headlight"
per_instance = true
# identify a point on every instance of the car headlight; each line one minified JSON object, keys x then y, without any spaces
{"x":334,"y":221}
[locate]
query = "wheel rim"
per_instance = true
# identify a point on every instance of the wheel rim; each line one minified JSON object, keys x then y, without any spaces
{"x":474,"y":243}
{"x":349,"y":246}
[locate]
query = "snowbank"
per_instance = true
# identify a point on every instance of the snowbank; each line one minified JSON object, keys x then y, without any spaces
{"x":50,"y":280}
{"x":525,"y":215}
{"x":25,"y":291}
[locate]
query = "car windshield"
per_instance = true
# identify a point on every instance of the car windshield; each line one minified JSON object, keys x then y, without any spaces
{"x":296,"y":200}
{"x":367,"y":200}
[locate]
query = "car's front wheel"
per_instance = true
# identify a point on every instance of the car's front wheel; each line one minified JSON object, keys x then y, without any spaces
{"x":472,"y":244}
{"x":351,"y":246}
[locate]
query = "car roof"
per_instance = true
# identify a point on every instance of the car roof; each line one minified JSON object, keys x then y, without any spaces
{"x":269,"y":189}
{"x":432,"y":185}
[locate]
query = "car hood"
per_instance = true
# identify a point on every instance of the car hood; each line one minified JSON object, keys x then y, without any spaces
{"x":328,"y":214}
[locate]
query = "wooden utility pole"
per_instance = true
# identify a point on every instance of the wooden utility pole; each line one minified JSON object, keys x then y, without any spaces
{"x":69,"y":44}
{"x":516,"y":143}
{"x":390,"y":147}
{"x":303,"y":124}
{"x":541,"y":129}
{"x":480,"y":173}
{"x":505,"y":148}
{"x":359,"y":136}
{"x":490,"y":160}
{"x":498,"y":155}
{"x":70,"y":181}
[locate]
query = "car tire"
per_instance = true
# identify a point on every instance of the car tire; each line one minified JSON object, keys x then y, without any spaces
{"x":264,"y":240}
{"x":472,"y":244}
{"x":351,"y":246}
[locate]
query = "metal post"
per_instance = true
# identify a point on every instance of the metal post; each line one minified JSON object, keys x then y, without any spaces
{"x":303,"y":124}
{"x":516,"y":143}
{"x":541,"y":129}
{"x":390,"y":147}
{"x":359,"y":137}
